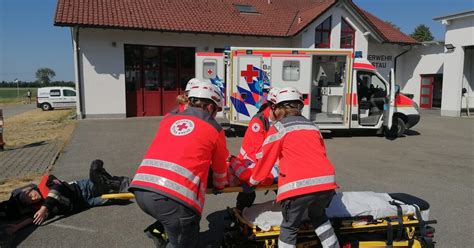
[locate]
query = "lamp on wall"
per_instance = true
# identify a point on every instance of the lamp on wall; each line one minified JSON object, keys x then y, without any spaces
{"x":450,"y":47}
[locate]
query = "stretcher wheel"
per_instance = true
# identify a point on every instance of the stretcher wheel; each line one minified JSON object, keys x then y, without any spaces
{"x":118,"y":196}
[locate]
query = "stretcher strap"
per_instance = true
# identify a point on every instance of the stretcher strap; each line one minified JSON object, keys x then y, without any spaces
{"x":399,"y":219}
{"x":389,"y":233}
{"x":422,"y":225}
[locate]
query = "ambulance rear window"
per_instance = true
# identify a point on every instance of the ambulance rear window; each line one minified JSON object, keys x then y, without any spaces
{"x":209,"y":67}
{"x":291,"y":70}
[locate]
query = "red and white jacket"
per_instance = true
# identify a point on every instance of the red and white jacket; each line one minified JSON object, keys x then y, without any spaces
{"x":177,"y":162}
{"x":304,"y":167}
{"x":251,"y":144}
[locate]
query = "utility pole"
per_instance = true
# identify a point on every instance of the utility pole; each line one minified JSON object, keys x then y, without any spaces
{"x":17,"y":87}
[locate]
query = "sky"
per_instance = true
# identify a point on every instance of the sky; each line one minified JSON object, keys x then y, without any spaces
{"x":29,"y":40}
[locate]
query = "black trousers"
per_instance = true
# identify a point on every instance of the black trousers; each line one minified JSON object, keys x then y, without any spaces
{"x":181,"y":223}
{"x":293,"y":210}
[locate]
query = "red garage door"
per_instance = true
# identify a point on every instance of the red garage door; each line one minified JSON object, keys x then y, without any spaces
{"x":154,"y":77}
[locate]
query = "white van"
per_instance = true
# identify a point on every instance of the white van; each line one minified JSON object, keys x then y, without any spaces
{"x":49,"y":98}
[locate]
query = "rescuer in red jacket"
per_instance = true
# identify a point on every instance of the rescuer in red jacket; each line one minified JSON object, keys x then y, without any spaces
{"x":307,"y":179}
{"x":170,"y":183}
{"x":251,"y":144}
{"x":182,"y":99}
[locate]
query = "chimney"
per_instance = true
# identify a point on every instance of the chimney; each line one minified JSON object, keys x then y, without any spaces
{"x":269,"y":1}
{"x":300,"y":20}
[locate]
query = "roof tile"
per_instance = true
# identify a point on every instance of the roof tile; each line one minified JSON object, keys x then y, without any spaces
{"x":276,"y":18}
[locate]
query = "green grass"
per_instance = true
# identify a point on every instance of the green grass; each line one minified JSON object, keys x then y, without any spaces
{"x":10,"y":95}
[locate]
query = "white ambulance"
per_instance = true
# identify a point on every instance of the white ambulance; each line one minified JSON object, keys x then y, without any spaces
{"x":341,"y":91}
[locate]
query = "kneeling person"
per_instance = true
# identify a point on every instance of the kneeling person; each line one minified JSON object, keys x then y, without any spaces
{"x":307,"y":179}
{"x":171,"y":181}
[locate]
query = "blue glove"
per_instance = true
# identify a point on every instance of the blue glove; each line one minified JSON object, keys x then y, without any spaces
{"x":247,"y":188}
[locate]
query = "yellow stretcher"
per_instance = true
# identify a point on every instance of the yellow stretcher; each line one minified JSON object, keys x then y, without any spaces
{"x":362,"y":232}
{"x":127,"y":196}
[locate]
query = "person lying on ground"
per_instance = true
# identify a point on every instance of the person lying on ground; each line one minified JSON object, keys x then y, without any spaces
{"x":33,"y":204}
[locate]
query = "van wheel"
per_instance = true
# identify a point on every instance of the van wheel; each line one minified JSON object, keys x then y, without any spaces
{"x":398,"y":128}
{"x":46,"y":106}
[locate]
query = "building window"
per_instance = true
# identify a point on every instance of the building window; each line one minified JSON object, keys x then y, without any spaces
{"x":246,"y":8}
{"x":347,"y":35}
{"x":291,"y":70}
{"x":323,"y":34}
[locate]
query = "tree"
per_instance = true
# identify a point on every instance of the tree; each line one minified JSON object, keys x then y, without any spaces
{"x":44,"y":75}
{"x":422,"y":33}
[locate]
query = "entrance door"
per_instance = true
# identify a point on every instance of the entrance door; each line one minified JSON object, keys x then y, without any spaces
{"x":426,"y":91}
{"x":154,"y":77}
{"x":151,"y":82}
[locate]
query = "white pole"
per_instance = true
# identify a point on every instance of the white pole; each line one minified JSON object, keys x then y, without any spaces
{"x":17,"y":87}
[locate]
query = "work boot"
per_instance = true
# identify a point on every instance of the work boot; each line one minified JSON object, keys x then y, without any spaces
{"x":104,"y":183}
{"x":156,"y":232}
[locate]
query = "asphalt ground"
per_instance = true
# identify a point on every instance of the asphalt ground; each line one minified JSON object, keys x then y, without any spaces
{"x":434,"y":161}
{"x":12,"y":110}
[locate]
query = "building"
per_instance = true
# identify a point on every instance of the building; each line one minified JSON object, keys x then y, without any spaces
{"x":458,"y":76}
{"x":132,"y":58}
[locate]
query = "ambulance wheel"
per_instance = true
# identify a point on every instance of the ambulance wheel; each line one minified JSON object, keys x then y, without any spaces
{"x":398,"y":128}
{"x":46,"y":106}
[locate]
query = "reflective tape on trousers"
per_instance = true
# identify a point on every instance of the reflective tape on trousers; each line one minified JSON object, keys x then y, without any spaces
{"x":308,"y":182}
{"x":171,"y":185}
{"x":282,"y":132}
{"x":219,"y":175}
{"x":172,"y":167}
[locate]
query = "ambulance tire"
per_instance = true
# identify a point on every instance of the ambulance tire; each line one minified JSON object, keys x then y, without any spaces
{"x":46,"y":106}
{"x":398,"y":128}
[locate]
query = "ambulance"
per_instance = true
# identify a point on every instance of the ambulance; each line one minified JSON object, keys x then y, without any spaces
{"x":341,"y":89}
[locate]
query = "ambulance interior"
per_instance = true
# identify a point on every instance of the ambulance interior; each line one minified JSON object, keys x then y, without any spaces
{"x":327,"y":89}
{"x":371,"y":97}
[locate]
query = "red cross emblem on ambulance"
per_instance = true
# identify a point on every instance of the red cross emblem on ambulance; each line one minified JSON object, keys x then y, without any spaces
{"x":182,"y":127}
{"x":210,"y":72}
{"x":249,"y":74}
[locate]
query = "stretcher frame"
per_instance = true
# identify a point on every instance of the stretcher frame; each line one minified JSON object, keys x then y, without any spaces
{"x":128,"y":196}
{"x":347,"y":230}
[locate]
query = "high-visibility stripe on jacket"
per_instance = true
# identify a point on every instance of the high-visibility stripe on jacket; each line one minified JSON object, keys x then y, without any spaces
{"x":251,"y":144}
{"x":304,"y":166}
{"x":255,"y":135}
{"x":177,"y":162}
{"x":243,"y":170}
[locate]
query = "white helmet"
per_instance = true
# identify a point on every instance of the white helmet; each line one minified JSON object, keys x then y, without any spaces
{"x":207,"y":91}
{"x":272,"y":95}
{"x":288,"y":94}
{"x":192,"y":82}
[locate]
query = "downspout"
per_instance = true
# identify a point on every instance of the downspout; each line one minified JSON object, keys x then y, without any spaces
{"x":79,"y":74}
{"x":396,"y":57}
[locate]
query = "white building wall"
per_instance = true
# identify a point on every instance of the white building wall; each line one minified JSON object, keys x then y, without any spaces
{"x":423,"y":59}
{"x":382,"y":56}
{"x":307,"y":37}
{"x":103,"y":64}
{"x":460,"y":33}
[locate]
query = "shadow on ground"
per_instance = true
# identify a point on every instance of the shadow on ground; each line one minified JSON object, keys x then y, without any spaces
{"x":218,"y":222}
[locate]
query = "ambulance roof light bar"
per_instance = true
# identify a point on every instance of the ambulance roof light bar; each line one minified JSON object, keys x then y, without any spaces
{"x":358,"y":54}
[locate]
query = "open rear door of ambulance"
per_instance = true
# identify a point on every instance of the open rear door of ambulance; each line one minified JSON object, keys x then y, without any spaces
{"x":389,"y":106}
{"x":246,"y":87}
{"x":210,"y":68}
{"x":293,"y":70}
